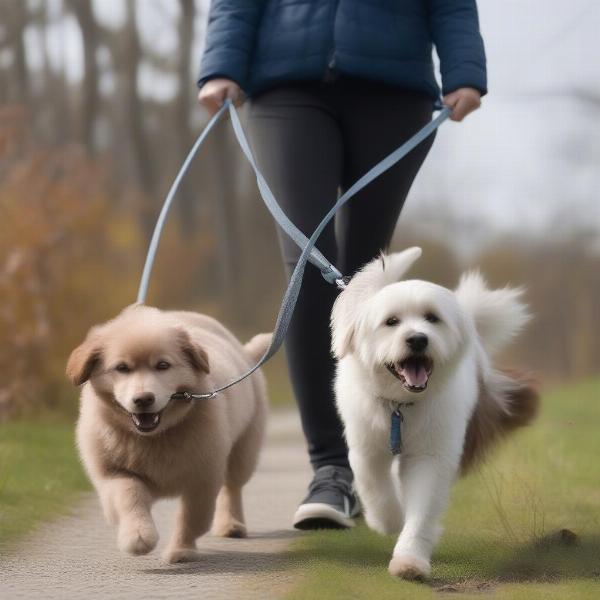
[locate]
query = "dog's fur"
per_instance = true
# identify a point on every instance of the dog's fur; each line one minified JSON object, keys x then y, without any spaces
{"x":460,"y":403}
{"x":202,"y":451}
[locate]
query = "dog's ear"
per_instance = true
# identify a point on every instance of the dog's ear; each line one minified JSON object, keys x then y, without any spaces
{"x":383,"y":270}
{"x":85,"y":358}
{"x":344,"y":320}
{"x":395,"y":266}
{"x":194,"y":353}
{"x":343,"y":324}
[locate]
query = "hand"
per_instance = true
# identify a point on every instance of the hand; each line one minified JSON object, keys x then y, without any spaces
{"x":215,"y":91}
{"x":462,"y":102}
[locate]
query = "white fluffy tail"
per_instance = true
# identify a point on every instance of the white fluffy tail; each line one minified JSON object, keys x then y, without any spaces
{"x":257,"y":346}
{"x":499,"y":315}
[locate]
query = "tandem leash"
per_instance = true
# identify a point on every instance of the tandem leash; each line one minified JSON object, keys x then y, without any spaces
{"x":309,"y":253}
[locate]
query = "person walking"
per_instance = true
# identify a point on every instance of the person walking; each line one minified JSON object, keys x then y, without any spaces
{"x":333,"y":87}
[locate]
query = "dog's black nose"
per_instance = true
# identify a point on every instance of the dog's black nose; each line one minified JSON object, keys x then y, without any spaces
{"x":417,"y":342}
{"x":144,"y":400}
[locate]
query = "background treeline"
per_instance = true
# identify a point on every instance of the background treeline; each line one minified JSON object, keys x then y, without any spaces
{"x":86,"y":161}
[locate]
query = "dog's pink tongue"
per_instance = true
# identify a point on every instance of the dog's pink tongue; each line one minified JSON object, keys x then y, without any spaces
{"x":415,"y":374}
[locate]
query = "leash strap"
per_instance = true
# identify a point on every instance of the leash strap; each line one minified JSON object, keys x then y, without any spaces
{"x":162,"y":217}
{"x":309,"y":252}
{"x":329,"y":272}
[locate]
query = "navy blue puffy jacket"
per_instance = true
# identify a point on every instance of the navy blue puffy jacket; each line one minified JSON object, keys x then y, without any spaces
{"x":260,"y":43}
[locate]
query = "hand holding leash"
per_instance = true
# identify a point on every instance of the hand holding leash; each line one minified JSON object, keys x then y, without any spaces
{"x":462,"y":102}
{"x":215,"y":91}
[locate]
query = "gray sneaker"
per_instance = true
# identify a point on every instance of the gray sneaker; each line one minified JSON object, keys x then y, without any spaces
{"x":331,"y":502}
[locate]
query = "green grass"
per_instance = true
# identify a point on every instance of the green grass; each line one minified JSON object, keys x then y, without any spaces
{"x":544,"y":479}
{"x":40,"y":474}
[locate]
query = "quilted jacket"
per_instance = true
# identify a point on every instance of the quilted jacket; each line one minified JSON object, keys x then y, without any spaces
{"x":261,"y":43}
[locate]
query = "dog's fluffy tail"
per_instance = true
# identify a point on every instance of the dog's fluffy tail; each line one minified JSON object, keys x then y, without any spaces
{"x":508,"y":399}
{"x":257,"y":346}
{"x":498,"y":314}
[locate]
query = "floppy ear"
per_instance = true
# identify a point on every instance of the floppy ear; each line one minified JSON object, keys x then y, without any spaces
{"x":343,"y":323}
{"x":194,"y":353}
{"x":84,"y":359}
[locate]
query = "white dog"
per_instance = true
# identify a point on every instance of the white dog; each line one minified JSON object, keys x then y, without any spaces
{"x":414,"y":381}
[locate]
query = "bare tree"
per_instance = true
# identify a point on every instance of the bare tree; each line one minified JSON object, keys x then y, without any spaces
{"x":84,"y":13}
{"x":183,"y":106}
{"x":130,"y":59}
{"x":14,"y":15}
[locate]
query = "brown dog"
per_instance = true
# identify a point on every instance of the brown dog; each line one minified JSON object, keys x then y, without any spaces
{"x":138,"y":445}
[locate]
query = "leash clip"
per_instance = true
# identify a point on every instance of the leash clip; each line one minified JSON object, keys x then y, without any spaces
{"x":188,"y":397}
{"x":342,"y":282}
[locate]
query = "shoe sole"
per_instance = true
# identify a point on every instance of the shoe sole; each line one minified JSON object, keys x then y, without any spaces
{"x":321,"y":516}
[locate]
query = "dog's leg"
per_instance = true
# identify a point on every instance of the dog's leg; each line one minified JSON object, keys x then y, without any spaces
{"x":229,"y":513}
{"x":425,"y":484}
{"x":193,"y":520}
{"x":127,"y":501}
{"x":375,"y":487}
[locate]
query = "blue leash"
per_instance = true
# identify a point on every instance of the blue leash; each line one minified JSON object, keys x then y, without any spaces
{"x":309,"y":251}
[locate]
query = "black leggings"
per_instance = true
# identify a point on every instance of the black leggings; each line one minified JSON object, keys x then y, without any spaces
{"x":311,"y":140}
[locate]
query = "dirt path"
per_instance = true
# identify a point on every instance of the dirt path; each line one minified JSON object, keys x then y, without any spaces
{"x":77,"y":557}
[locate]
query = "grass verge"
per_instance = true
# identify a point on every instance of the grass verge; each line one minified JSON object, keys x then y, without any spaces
{"x":498,"y":531}
{"x":40,"y":474}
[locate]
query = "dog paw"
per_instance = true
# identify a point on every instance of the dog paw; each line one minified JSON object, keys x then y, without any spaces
{"x":181,"y":555}
{"x":137,"y":538}
{"x":409,"y":567}
{"x":230,"y":529}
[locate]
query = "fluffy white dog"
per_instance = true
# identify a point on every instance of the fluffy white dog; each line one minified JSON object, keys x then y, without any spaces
{"x":418,"y":395}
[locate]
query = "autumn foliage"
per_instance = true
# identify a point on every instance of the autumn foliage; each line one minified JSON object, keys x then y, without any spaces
{"x":72,"y":246}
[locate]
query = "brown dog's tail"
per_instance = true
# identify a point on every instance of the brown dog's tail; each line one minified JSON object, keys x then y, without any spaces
{"x":507,"y":400}
{"x":257,"y":346}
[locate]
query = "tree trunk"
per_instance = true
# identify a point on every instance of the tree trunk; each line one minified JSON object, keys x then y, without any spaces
{"x":84,"y":14}
{"x":183,"y":105}
{"x":142,"y":157}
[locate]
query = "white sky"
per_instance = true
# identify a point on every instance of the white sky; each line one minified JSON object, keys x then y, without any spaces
{"x":528,"y":160}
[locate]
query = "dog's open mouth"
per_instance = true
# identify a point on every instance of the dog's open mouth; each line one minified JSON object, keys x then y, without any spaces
{"x":413,"y":372}
{"x":146,"y":422}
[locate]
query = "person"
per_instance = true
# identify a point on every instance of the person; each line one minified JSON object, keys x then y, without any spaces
{"x":333,"y":87}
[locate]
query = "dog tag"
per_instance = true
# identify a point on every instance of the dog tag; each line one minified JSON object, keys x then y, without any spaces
{"x":396,"y":432}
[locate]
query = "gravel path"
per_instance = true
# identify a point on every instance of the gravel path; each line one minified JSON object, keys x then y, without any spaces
{"x":76,"y":556}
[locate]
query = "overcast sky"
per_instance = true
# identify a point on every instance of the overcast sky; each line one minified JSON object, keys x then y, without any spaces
{"x":529,"y":160}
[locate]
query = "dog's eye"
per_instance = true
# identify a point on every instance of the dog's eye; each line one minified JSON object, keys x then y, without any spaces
{"x":162,"y":365}
{"x":432,"y":317}
{"x":122,"y":368}
{"x":392,"y":321}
